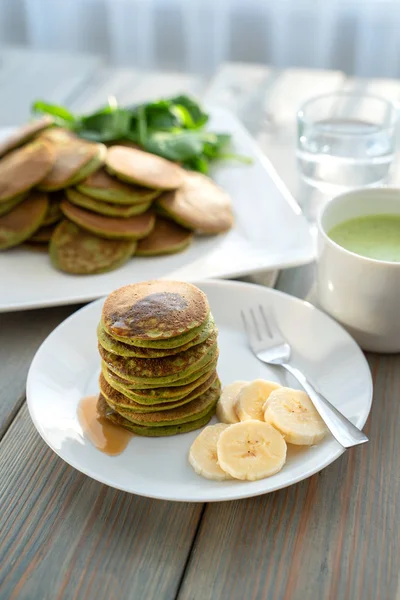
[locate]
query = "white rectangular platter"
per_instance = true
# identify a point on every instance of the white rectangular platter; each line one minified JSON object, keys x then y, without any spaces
{"x":270,"y":232}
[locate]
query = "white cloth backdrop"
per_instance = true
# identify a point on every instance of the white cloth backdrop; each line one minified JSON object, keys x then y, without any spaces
{"x":360,"y":37}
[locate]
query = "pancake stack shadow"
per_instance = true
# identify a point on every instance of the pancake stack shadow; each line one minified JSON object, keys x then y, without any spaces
{"x":158,"y":345}
{"x":93,"y":207}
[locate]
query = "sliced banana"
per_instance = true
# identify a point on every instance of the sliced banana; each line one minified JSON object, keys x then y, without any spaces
{"x":251,"y":399}
{"x":225,"y":407}
{"x":251,"y":450}
{"x":294,"y":415}
{"x":203,"y":453}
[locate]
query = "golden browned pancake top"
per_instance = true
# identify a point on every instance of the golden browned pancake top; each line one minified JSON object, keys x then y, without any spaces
{"x":165,"y":235}
{"x":144,"y":168}
{"x":21,"y":222}
{"x":24,"y":134}
{"x":153,"y":310}
{"x":71,"y":153}
{"x":199,"y":204}
{"x":22,"y":169}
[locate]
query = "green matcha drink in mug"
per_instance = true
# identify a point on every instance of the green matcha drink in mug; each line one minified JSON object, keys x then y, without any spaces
{"x":358,"y":272}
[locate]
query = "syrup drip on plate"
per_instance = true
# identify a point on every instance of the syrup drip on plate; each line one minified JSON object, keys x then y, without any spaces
{"x":104,"y":435}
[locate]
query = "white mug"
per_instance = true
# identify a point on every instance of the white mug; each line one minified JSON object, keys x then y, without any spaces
{"x":361,"y":293}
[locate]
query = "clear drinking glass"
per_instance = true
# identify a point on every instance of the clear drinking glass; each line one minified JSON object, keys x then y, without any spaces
{"x":345,"y":140}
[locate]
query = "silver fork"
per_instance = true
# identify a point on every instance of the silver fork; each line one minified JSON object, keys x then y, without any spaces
{"x":270,"y":347}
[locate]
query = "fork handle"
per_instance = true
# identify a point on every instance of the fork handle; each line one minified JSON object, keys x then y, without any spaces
{"x":341,"y":428}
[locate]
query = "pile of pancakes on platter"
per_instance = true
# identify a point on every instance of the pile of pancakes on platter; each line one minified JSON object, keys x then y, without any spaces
{"x":94,"y":207}
{"x":158,"y":346}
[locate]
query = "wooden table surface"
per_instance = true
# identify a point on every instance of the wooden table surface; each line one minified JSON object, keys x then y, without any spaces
{"x":63,"y":536}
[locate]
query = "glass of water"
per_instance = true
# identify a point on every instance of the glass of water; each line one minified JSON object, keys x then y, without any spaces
{"x":346,"y":140}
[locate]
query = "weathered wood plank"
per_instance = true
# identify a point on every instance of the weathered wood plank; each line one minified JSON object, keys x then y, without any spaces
{"x":335,"y":535}
{"x":130,"y":86}
{"x":64,"y":536}
{"x":28,"y":75}
{"x":105,"y":82}
{"x":21,"y":334}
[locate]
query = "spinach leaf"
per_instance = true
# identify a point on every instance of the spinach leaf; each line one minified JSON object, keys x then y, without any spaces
{"x":170,"y":127}
{"x":141,"y":125}
{"x":197,"y":163}
{"x":198,"y":117}
{"x":161,"y":116}
{"x":61,"y":115}
{"x":107,"y":124}
{"x":177,"y":146}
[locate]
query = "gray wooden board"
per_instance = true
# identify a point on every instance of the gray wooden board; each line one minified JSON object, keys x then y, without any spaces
{"x":131,"y":86}
{"x":63,"y":536}
{"x":21,"y":334}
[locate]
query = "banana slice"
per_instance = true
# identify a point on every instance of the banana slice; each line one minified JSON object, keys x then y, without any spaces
{"x":225,"y":407}
{"x":203,"y":453}
{"x":251,"y":450}
{"x":251,"y":399}
{"x":294,"y":415}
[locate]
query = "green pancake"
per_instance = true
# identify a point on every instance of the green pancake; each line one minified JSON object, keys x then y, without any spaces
{"x":158,"y":395}
{"x":193,"y":410}
{"x":79,"y":252}
{"x":6,"y":207}
{"x":142,"y":168}
{"x":178,"y":365}
{"x":122,"y":349}
{"x":24,"y":134}
{"x":166,"y":238}
{"x":90,"y":167}
{"x":75,"y":159}
{"x":24,"y":168}
{"x":118,"y":400}
{"x":102,"y":186}
{"x":21,"y":223}
{"x":155,"y":314}
{"x":199,"y":204}
{"x":152,"y":384}
{"x":105,"y":208}
{"x":105,"y":411}
{"x":130,"y":228}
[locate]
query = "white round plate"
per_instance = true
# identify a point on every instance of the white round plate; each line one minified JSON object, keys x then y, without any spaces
{"x":66,"y":368}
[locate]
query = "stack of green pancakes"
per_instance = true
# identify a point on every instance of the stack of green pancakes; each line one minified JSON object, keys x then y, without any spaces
{"x":158,"y":346}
